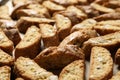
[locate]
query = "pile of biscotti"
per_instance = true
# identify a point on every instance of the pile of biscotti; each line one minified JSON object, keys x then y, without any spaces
{"x":59,"y":36}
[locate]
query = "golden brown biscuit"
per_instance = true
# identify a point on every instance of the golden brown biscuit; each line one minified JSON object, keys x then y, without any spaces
{"x":29,"y":46}
{"x":49,"y":35}
{"x":86,"y":24}
{"x":63,"y":25}
{"x":101,"y":64}
{"x":73,"y":71}
{"x":109,"y":41}
{"x":52,"y":6}
{"x":25,"y":22}
{"x":57,"y":58}
{"x":30,"y":70}
{"x":78,"y":37}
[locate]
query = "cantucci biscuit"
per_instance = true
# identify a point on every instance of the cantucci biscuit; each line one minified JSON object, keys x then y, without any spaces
{"x":5,"y":59}
{"x":29,"y":70}
{"x":78,"y":37}
{"x":49,"y":35}
{"x":5,"y":73}
{"x":19,"y":78}
{"x":52,"y":6}
{"x":63,"y":25}
{"x":109,"y":41}
{"x":101,"y":64}
{"x":5,"y":43}
{"x":73,"y":71}
{"x":86,"y":24}
{"x":57,"y":58}
{"x":25,"y":22}
{"x":29,"y":46}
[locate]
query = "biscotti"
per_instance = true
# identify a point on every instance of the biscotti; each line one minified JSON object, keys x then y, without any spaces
{"x":117,"y":57}
{"x":101,"y":64}
{"x":29,"y":70}
{"x":29,"y":46}
{"x":57,"y":58}
{"x":52,"y":6}
{"x":116,"y":76}
{"x":25,"y":22}
{"x":34,"y":9}
{"x":49,"y":35}
{"x":108,"y":16}
{"x":109,"y":41}
{"x":5,"y":59}
{"x":106,"y":29}
{"x":5,"y":73}
{"x":73,"y":71}
{"x":78,"y":37}
{"x":5,"y":43}
{"x":86,"y":24}
{"x":63,"y":25}
{"x":102,"y":8}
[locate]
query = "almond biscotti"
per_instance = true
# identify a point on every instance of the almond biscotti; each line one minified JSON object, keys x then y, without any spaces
{"x":101,"y":64}
{"x":109,"y":41}
{"x":57,"y":58}
{"x":78,"y":37}
{"x":86,"y":24}
{"x":117,"y":57}
{"x":19,"y":78}
{"x":49,"y":35}
{"x":29,"y":46}
{"x":5,"y":73}
{"x":29,"y":70}
{"x":25,"y":22}
{"x":63,"y":25}
{"x":5,"y":59}
{"x":73,"y":71}
{"x":116,"y":76}
{"x":5,"y":44}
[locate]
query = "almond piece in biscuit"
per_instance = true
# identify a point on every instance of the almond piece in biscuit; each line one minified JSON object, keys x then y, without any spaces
{"x":49,"y":35}
{"x":5,"y":73}
{"x":29,"y":46}
{"x":73,"y":71}
{"x":101,"y":64}
{"x":63,"y":25}
{"x":30,"y":70}
{"x":57,"y":58}
{"x":6,"y":44}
